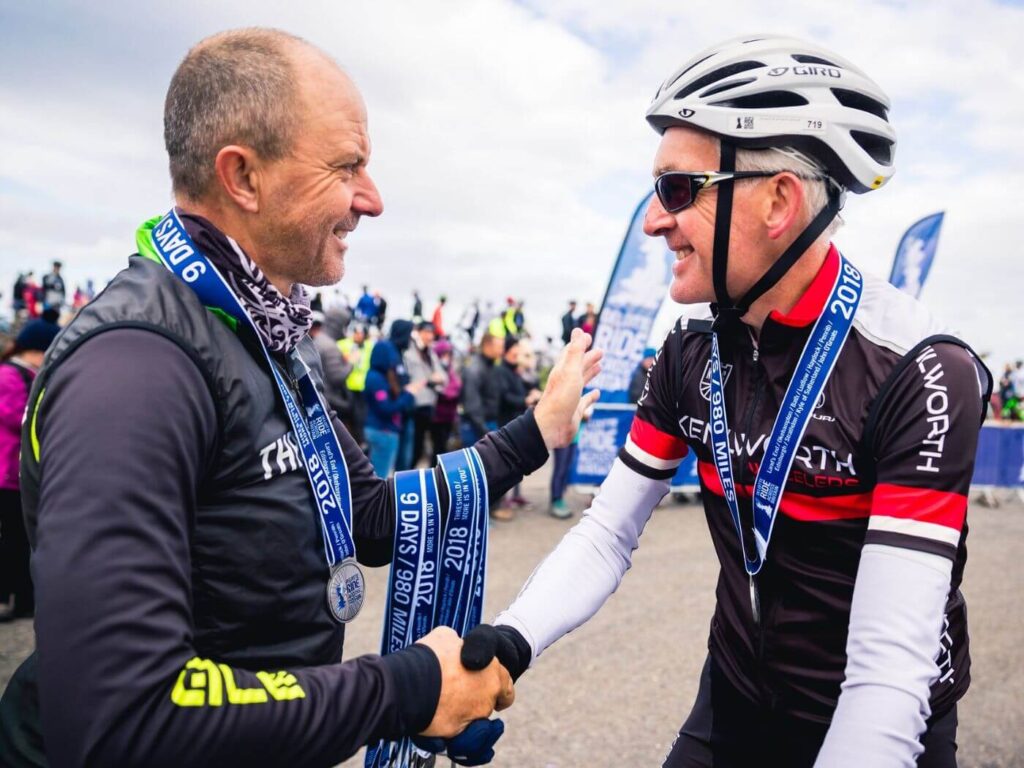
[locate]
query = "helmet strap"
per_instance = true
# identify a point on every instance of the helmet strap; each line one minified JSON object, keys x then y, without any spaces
{"x":728,"y":313}
{"x":793,"y":253}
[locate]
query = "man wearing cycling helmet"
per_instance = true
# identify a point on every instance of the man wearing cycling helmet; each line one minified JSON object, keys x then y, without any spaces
{"x":833,"y":418}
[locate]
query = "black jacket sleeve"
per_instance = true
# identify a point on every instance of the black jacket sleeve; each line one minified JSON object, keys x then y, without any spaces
{"x":127,"y":428}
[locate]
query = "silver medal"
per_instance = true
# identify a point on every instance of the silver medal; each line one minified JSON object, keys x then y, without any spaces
{"x":346,"y":590}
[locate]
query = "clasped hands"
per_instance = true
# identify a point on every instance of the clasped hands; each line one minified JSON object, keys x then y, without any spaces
{"x":477,"y":677}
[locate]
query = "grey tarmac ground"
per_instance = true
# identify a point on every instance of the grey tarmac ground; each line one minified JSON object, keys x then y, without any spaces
{"x":614,"y":692}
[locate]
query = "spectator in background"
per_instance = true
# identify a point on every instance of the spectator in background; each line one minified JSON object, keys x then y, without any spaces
{"x":563,"y":459}
{"x":438,"y":317}
{"x":588,"y":320}
{"x":17,"y":370}
{"x":417,"y":307}
{"x":54,"y":292}
{"x":31,"y":292}
{"x":422,"y":363}
{"x":568,"y":322}
{"x":401,"y":336}
{"x":514,"y":396}
{"x":512,"y":317}
{"x":386,"y":405}
{"x":496,"y":327}
{"x":366,"y":309}
{"x":639,"y":380}
{"x":325,"y":332}
{"x":78,"y":299}
{"x":470,"y":320}
{"x":446,"y":412}
{"x":479,"y":391}
{"x":356,"y":349}
{"x":18,"y":292}
{"x":381,"y":307}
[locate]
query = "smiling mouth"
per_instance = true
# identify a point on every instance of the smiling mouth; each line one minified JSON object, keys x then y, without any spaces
{"x":683,"y":252}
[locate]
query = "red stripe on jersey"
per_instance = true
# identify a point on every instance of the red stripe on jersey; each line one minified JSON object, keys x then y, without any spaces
{"x":799,"y":506}
{"x":922,"y":504}
{"x":655,"y":442}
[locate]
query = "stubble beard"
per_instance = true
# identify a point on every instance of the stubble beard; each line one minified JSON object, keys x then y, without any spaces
{"x":301,"y":248}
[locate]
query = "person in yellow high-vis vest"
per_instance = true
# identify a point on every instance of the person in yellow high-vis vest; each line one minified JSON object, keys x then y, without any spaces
{"x":357,"y":348}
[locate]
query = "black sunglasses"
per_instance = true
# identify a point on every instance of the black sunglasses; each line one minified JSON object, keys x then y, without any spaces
{"x":678,"y":189}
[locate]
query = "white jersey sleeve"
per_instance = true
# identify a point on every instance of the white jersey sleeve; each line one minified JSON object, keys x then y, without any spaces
{"x":895,"y":633}
{"x":573,"y":582}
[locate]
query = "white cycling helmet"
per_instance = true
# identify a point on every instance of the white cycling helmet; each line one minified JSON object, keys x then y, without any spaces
{"x":762,"y":91}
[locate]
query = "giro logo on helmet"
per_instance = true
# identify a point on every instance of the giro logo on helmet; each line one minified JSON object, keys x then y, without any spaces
{"x":776,"y":71}
{"x":686,"y":113}
{"x":827,"y":71}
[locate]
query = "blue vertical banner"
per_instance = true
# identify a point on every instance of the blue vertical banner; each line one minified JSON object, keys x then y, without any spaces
{"x":915,"y":254}
{"x":636,"y":291}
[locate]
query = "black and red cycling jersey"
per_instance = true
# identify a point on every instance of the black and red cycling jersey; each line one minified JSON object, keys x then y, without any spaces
{"x":887,"y":459}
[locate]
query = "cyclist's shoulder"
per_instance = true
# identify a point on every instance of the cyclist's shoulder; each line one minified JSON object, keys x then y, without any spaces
{"x":690,"y":330}
{"x":896,"y":321}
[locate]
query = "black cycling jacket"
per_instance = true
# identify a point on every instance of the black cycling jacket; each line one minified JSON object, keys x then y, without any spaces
{"x":887,"y":458}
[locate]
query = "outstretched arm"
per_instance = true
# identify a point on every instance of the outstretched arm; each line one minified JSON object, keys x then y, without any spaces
{"x":572,"y":583}
{"x":588,"y":564}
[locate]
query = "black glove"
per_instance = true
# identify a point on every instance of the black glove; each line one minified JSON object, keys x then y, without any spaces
{"x":485,"y":641}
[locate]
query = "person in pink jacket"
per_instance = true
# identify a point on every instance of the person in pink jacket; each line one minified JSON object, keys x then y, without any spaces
{"x":17,"y":370}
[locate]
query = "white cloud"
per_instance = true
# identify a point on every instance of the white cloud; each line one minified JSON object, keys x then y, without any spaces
{"x":509,"y":141}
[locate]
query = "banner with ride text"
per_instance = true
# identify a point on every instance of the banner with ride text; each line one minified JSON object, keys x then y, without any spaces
{"x":634,"y":295}
{"x":915,"y":254}
{"x":636,"y":291}
{"x":599,"y":444}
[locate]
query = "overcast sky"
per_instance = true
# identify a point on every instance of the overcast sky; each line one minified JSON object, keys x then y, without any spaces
{"x":509,"y":140}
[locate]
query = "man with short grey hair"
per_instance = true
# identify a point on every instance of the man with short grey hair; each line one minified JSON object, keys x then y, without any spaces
{"x":178,"y":550}
{"x":822,"y":406}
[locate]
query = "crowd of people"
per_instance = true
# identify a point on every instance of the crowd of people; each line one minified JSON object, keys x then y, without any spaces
{"x":413,"y":388}
{"x":31,"y":299}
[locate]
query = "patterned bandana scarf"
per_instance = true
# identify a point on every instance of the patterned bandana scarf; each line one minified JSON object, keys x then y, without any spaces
{"x":281,"y":322}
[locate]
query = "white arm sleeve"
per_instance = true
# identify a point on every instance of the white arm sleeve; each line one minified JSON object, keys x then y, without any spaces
{"x":573,"y":582}
{"x":895,"y":632}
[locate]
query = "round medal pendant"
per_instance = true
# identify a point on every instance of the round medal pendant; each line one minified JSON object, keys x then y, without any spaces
{"x":345,"y":591}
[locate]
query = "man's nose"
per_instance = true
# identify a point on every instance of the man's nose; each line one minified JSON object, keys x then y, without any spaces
{"x":657,"y":221}
{"x":367,"y":200}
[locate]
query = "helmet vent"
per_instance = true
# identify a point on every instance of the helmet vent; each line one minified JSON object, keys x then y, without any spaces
{"x":727,"y":86}
{"x":699,"y":60}
{"x":878,"y":147}
{"x":855,"y":100}
{"x":803,"y":58}
{"x":767,"y":100}
{"x":717,"y":74}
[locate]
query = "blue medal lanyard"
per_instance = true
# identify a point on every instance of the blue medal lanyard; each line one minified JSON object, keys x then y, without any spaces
{"x":436,"y":580}
{"x":812,"y":372}
{"x":324,"y":462}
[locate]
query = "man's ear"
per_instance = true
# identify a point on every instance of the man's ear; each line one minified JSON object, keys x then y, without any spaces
{"x":784,"y":204}
{"x":238,"y":172}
